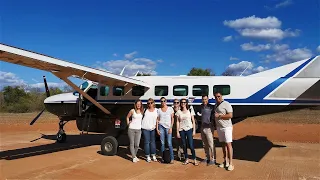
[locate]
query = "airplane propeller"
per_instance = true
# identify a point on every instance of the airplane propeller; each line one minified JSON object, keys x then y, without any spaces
{"x":48,"y":94}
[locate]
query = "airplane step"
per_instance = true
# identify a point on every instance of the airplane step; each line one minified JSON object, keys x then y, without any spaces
{"x":86,"y":122}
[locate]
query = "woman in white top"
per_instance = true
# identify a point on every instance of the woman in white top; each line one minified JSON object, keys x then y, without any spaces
{"x":149,"y":122}
{"x":186,"y":129}
{"x":134,"y":130}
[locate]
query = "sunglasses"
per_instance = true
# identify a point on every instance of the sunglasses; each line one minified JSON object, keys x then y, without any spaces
{"x":217,"y":96}
{"x":176,"y":102}
{"x":150,"y":103}
{"x":183,"y":102}
{"x":163,"y":101}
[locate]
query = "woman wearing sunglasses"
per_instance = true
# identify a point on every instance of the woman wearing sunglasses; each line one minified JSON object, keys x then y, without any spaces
{"x":186,"y":129}
{"x":149,"y":122}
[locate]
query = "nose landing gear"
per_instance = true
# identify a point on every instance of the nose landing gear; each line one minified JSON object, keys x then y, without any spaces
{"x":61,"y":135}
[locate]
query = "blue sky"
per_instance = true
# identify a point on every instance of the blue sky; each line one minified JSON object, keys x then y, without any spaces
{"x":161,"y":37}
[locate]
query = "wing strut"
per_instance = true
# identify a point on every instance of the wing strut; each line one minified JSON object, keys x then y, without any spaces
{"x":65,"y":79}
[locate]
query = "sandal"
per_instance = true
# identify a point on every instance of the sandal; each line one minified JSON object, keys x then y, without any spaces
{"x":185,"y":162}
{"x":196,"y":163}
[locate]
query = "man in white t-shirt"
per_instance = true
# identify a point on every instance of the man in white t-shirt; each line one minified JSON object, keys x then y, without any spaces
{"x":223,"y":115}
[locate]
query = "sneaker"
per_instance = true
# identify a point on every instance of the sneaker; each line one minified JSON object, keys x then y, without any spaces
{"x":212,"y":162}
{"x":148,"y":159}
{"x":154,"y":158}
{"x":231,"y":167}
{"x":224,"y":165}
{"x":204,"y":161}
{"x":135,"y":159}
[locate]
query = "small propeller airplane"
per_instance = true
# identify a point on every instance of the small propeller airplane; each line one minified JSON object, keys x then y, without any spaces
{"x":104,"y":98}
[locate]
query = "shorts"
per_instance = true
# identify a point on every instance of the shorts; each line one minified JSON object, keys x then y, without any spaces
{"x":225,"y":134}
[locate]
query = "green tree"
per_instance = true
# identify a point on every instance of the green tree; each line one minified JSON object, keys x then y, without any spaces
{"x":16,"y":99}
{"x":201,"y":72}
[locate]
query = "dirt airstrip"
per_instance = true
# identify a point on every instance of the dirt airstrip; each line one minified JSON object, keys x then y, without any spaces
{"x":278,"y":146}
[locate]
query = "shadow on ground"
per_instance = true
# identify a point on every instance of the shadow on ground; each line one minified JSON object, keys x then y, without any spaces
{"x":249,"y":148}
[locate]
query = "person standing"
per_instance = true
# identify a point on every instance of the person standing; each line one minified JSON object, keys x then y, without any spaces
{"x":149,"y":122}
{"x":223,"y":115}
{"x":207,"y":130}
{"x":134,"y":130}
{"x":186,"y":130}
{"x":176,"y":142}
{"x":164,"y":127}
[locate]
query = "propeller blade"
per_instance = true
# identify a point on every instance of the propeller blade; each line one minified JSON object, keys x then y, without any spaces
{"x":37,"y":117}
{"x":48,"y":94}
{"x":46,"y":86}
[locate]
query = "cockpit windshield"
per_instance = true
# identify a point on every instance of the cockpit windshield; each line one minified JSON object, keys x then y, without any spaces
{"x":84,"y":85}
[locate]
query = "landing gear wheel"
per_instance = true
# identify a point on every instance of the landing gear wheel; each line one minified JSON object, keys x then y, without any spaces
{"x":109,"y":146}
{"x":61,"y":137}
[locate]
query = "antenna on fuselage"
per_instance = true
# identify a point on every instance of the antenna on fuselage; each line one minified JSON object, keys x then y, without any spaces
{"x":123,"y":70}
{"x":244,"y":69}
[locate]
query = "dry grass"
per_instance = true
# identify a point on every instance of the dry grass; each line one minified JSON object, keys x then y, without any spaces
{"x":303,"y":116}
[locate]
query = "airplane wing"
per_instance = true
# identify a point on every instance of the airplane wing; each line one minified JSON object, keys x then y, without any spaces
{"x":39,"y":61}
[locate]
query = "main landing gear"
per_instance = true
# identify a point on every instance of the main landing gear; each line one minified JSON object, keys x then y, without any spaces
{"x":61,"y":135}
{"x":109,"y":146}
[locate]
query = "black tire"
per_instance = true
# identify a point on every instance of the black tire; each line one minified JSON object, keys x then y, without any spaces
{"x":109,"y":146}
{"x":61,"y":137}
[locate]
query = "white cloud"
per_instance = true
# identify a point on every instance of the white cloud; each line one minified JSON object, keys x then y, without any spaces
{"x":290,"y":55}
{"x":269,"y":34}
{"x":227,"y":38}
{"x":254,"y":22}
{"x":130,"y":55}
{"x":263,"y":47}
{"x":10,"y":79}
{"x":281,"y":4}
{"x":143,"y":65}
{"x":251,"y":47}
{"x":50,"y":85}
{"x":115,"y":54}
{"x":284,"y":4}
{"x":268,"y":28}
{"x":233,"y":58}
{"x":318,"y":48}
{"x":244,"y":68}
{"x":160,"y":61}
{"x":280,"y":47}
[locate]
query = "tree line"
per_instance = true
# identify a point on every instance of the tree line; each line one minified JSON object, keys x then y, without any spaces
{"x":16,"y":99}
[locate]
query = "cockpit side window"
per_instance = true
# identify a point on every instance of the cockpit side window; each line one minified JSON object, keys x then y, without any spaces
{"x":118,"y":90}
{"x":104,"y":90}
{"x":224,"y":89}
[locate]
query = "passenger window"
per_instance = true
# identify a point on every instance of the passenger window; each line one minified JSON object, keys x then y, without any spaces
{"x":137,"y":90}
{"x":161,"y":90}
{"x":118,"y":90}
{"x":224,"y":89}
{"x":104,"y":90}
{"x":199,"y":90}
{"x":180,"y":90}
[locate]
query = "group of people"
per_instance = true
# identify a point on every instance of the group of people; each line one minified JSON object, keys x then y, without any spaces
{"x":151,"y":120}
